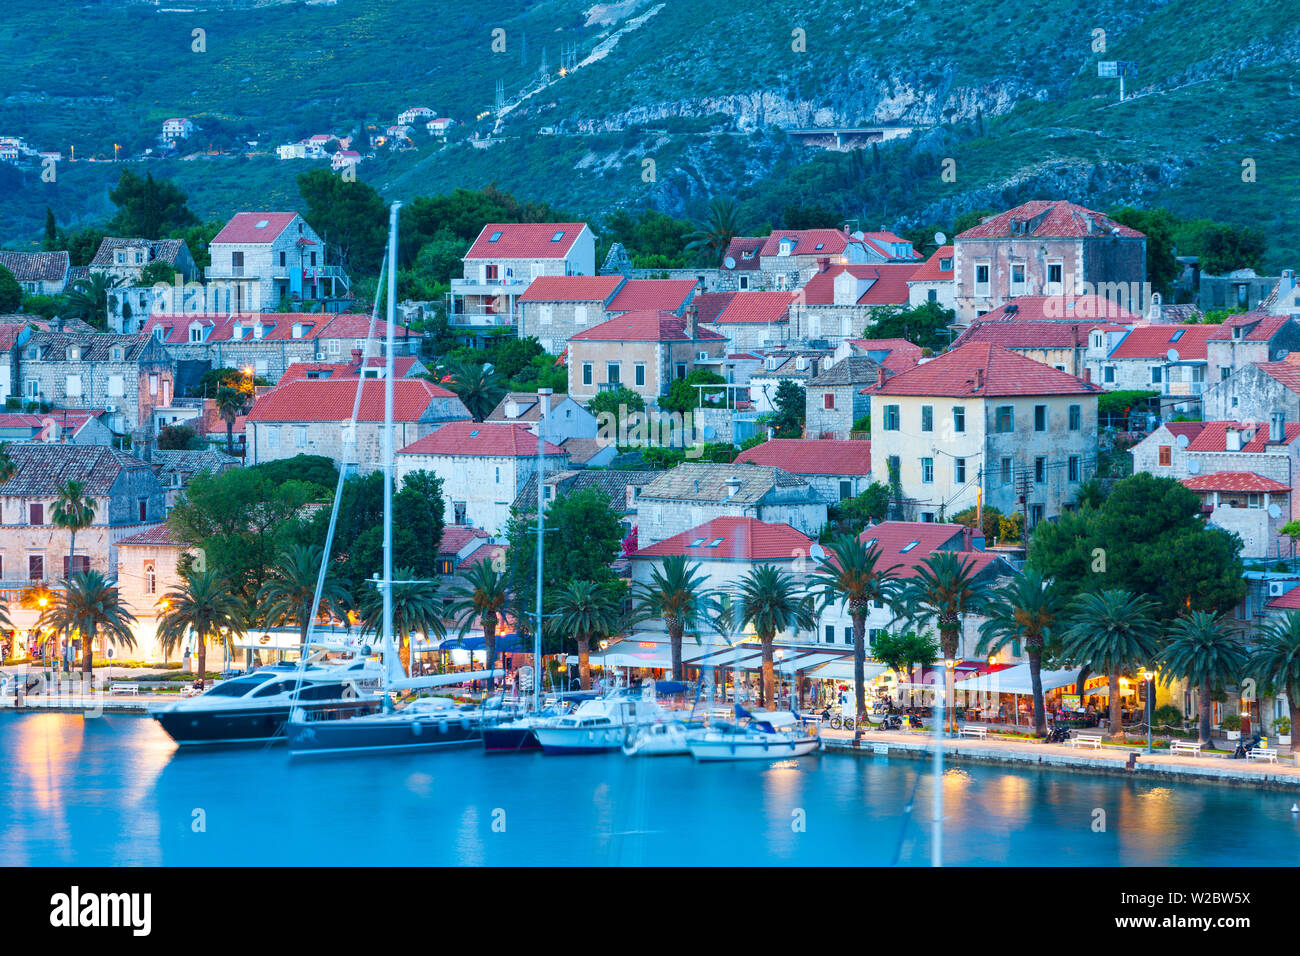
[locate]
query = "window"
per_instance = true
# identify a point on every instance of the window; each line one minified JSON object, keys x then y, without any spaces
{"x":639,"y":373}
{"x":932,"y":295}
{"x":72,"y":386}
{"x":579,"y":315}
{"x":1108,"y":373}
{"x":893,"y":464}
{"x":116,"y":386}
{"x":237,"y":263}
{"x":1005,"y":420}
{"x":1054,"y":277}
{"x":1017,"y":278}
{"x":982,"y":279}
{"x":1006,"y":471}
{"x":959,"y":470}
{"x":959,"y":418}
{"x":927,"y":418}
{"x":1076,"y":417}
{"x":544,"y":314}
{"x":80,"y":564}
{"x":1040,"y":470}
{"x":891,"y":418}
{"x":1074,"y":467}
{"x":272,"y":436}
{"x":586,"y":373}
{"x":680,"y":371}
{"x":1155,"y":374}
{"x":300,"y":436}
{"x":1166,"y":455}
{"x":35,"y":567}
{"x":612,"y":372}
{"x":196,"y":333}
{"x":1040,"y":418}
{"x":498,"y":474}
{"x":927,"y":470}
{"x":846,"y":489}
{"x":142,"y":508}
{"x":828,"y":401}
{"x":830,"y":633}
{"x":313,"y":258}
{"x":558,"y":236}
{"x":1035,"y":515}
{"x":281,"y":258}
{"x":848,"y":635}
{"x":36,"y":513}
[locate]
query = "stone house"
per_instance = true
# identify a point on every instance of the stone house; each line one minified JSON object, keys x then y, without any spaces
{"x":483,"y":466}
{"x":1249,"y":339}
{"x":1034,"y":327}
{"x":1254,"y":392}
{"x":124,"y":489}
{"x":175,"y":469}
{"x":696,"y":492}
{"x":621,"y":486}
{"x":148,"y":566}
{"x":125,"y":259}
{"x":834,"y":398}
{"x":836,"y":469}
{"x":1047,"y":247}
{"x":315,"y":418}
{"x":566,"y":418}
{"x":127,"y":376}
{"x":39,"y":273}
{"x":642,"y":351}
{"x":934,"y":281}
{"x":839,"y":301}
{"x":555,"y":308}
{"x":503,"y":261}
{"x":260,"y":258}
{"x":1169,"y":359}
{"x":981,"y":418}
{"x":752,"y":320}
{"x":783,"y":365}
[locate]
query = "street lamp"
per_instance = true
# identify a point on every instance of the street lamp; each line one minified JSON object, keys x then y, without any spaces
{"x":949,"y":681}
{"x":1149,"y":677}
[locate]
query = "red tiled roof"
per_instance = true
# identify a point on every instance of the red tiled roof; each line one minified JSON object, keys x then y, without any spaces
{"x":1053,"y":218}
{"x":525,"y":240}
{"x":668,"y":295}
{"x":756,"y":307}
{"x":1265,"y":326}
{"x":456,"y":536}
{"x":571,"y":289}
{"x":1212,"y":436}
{"x":481,"y":440}
{"x":888,"y":284}
{"x":1234,"y":481}
{"x":486,"y":552}
{"x":1290,"y":601}
{"x":833,"y":242}
{"x":929,"y":271}
{"x":299,"y":371}
{"x":899,"y":356}
{"x":1033,"y":335}
{"x":1286,"y":374}
{"x":243,"y":227}
{"x":36,"y":266}
{"x":159,"y":534}
{"x":277,"y":326}
{"x":734,"y":539}
{"x":738,"y":248}
{"x":1155,"y":341}
{"x":356,"y":325}
{"x":644,"y":327}
{"x":920,"y":539}
{"x":811,"y":456}
{"x":709,"y":305}
{"x":331,"y":401}
{"x":1005,"y":373}
{"x":1061,"y":308}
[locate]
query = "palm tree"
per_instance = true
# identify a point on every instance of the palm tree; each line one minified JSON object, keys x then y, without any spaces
{"x":850,"y":573}
{"x":585,"y":610}
{"x":478,"y":386}
{"x":945,"y":585}
{"x":1206,"y":650}
{"x":73,"y":511}
{"x":291,"y":590}
{"x":205,"y":605}
{"x":416,"y":609}
{"x":1276,"y":661}
{"x":676,"y":595}
{"x":1111,"y":631}
{"x":88,"y":299}
{"x":772,"y":601}
{"x":8,"y":467}
{"x":89,"y":605}
{"x":230,"y":404}
{"x":1025,"y":611}
{"x":721,"y":225}
{"x":482,"y":598}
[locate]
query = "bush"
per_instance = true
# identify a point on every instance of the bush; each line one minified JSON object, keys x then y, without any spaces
{"x":1167,"y":715}
{"x":1282,"y":725}
{"x":1231,"y":722}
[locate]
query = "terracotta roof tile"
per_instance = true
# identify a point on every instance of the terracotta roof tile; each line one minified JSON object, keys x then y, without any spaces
{"x":1061,"y":308}
{"x":158,"y":535}
{"x":909,"y":543}
{"x":668,"y":295}
{"x":1155,"y":341}
{"x":1004,"y":373}
{"x":1054,"y":218}
{"x":811,"y":456}
{"x":1033,"y":335}
{"x":733,"y":539}
{"x":931,"y":270}
{"x":243,"y":227}
{"x":43,"y":466}
{"x":481,"y":440}
{"x":744,"y":251}
{"x":525,"y":240}
{"x":1246,"y":481}
{"x":36,"y":266}
{"x":1286,"y":374}
{"x":808,"y":242}
{"x":888,"y":284}
{"x":572,"y":289}
{"x":756,"y":307}
{"x":332,"y":401}
{"x":644,"y":326}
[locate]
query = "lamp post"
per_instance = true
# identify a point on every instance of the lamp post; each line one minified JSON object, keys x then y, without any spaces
{"x":1149,"y":677}
{"x":946,"y":710}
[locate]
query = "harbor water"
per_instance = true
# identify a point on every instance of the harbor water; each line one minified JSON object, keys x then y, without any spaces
{"x":115,"y":791}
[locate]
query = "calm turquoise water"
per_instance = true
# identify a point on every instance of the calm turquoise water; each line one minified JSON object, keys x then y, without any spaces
{"x":114,"y":791}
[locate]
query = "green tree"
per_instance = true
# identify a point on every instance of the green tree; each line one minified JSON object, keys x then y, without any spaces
{"x":350,"y":216}
{"x":418,"y":522}
{"x":73,"y":511}
{"x":88,"y":299}
{"x":1207,"y":651}
{"x":8,"y":467}
{"x":617,"y":402}
{"x":481,"y":597}
{"x":926,"y":325}
{"x":155,"y":273}
{"x":1159,"y":226}
{"x":901,"y":651}
{"x":203,"y":605}
{"x":850,"y":574}
{"x":772,"y":601}
{"x":1221,"y":248}
{"x":721,"y":224}
{"x":51,"y":241}
{"x":684,"y":397}
{"x":90,"y":605}
{"x":1276,"y":660}
{"x":231,"y":403}
{"x":584,"y":611}
{"x":791,"y":411}
{"x":416,"y":610}
{"x":676,"y":594}
{"x":287,"y":597}
{"x":147,"y":207}
{"x":478,"y":387}
{"x":11,"y":293}
{"x":1110,"y":632}
{"x":1024,"y":612}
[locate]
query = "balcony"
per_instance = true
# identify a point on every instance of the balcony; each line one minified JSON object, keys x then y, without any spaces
{"x":481,"y":318}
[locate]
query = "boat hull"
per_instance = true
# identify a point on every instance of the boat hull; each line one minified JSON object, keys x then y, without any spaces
{"x":568,"y":740}
{"x":741,"y":749}
{"x":500,"y":740}
{"x":381,"y":733}
{"x":249,"y":725}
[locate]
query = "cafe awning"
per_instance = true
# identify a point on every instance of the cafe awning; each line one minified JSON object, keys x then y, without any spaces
{"x":1016,"y":680}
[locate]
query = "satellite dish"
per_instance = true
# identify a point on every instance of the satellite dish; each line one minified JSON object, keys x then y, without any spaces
{"x":1274,"y":511}
{"x":710,"y":432}
{"x":729,"y":262}
{"x":817,"y":552}
{"x":1172,"y":355}
{"x":1194,"y":467}
{"x":1182,"y":441}
{"x":940,"y":239}
{"x":859,"y":235}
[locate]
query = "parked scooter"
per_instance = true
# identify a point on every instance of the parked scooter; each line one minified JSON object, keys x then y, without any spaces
{"x":1244,"y":747}
{"x":892,"y":722}
{"x":1059,"y":734}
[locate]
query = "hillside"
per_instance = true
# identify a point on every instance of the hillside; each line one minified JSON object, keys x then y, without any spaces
{"x":704,"y":88}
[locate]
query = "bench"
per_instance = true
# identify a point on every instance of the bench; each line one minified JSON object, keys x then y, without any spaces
{"x":124,"y":687}
{"x":1085,"y":740}
{"x":1263,"y":753}
{"x":1185,"y":747}
{"x":981,"y":732}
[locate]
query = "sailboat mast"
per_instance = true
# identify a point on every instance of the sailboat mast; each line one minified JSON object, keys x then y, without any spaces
{"x":544,"y":400}
{"x":389,"y":344}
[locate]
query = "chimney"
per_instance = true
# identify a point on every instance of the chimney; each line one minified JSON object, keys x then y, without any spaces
{"x":1277,"y":428}
{"x":356,"y":356}
{"x":1232,"y":439}
{"x":692,"y":321}
{"x":979,"y":379}
{"x":1087,"y":376}
{"x":880,"y":378}
{"x":733,"y":487}
{"x":1287,"y":283}
{"x":823,"y":263}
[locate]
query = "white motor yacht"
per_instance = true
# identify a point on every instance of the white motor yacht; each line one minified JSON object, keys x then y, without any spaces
{"x":763,"y":735}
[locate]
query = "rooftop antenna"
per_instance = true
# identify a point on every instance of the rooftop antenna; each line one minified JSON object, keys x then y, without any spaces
{"x":500,"y":97}
{"x":1112,"y":69}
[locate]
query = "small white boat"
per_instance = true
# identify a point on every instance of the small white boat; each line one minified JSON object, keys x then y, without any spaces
{"x":599,"y":725}
{"x":760,"y":736}
{"x":657,"y":740}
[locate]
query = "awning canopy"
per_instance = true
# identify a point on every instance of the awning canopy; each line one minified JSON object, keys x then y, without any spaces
{"x":841,"y":668}
{"x":1016,"y":680}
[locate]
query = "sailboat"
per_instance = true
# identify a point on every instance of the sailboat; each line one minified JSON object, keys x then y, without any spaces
{"x":425,"y":723}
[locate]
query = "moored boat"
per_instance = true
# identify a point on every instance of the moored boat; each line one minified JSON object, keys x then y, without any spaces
{"x":657,"y":740}
{"x":757,"y":736}
{"x":598,"y":725}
